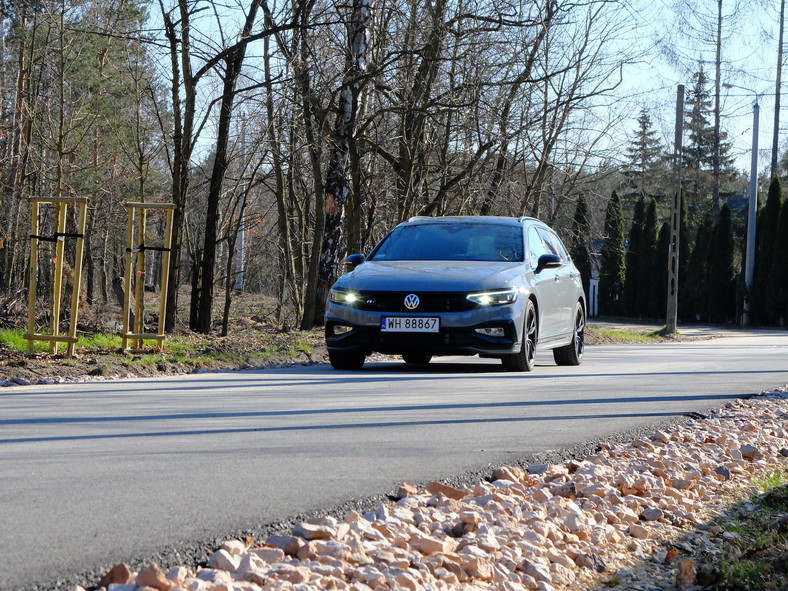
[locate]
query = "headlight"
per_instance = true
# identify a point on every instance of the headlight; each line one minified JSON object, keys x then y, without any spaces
{"x":348,"y":298}
{"x":494,"y":298}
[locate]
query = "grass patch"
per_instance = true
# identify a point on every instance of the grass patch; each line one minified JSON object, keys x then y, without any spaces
{"x":758,"y":558}
{"x":766,"y":482}
{"x":99,"y":340}
{"x":13,"y":339}
{"x":743,"y":575}
{"x":644,"y":336}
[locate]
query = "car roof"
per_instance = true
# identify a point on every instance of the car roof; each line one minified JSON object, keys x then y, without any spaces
{"x":471,"y":218}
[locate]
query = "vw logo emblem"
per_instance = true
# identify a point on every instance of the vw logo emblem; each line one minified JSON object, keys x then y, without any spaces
{"x":411,"y":301}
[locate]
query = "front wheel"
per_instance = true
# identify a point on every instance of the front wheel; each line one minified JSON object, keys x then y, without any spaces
{"x":346,"y":359}
{"x":572,"y":354}
{"x":525,"y":359}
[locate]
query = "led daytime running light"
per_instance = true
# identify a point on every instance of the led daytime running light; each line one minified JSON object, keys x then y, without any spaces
{"x":494,"y":298}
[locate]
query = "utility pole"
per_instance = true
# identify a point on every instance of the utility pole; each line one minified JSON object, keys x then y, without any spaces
{"x":752,"y":212}
{"x":752,"y":209}
{"x":675,"y":220}
{"x":715,"y":198}
{"x":778,"y":84}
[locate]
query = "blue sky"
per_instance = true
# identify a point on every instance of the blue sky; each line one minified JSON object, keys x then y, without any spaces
{"x":680,"y":34}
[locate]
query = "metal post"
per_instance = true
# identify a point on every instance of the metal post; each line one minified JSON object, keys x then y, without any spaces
{"x":749,"y":264}
{"x":675,"y":221}
{"x":752,"y":209}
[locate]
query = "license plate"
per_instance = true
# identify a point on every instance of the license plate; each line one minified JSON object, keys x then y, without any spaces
{"x":409,"y":324}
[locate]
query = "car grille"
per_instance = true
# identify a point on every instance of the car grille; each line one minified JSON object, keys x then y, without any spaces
{"x":391,"y":301}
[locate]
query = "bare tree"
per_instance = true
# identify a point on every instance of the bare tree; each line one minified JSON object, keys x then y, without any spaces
{"x":233,"y":59}
{"x":177,"y":32}
{"x":17,"y":148}
{"x":520,"y":79}
{"x":299,"y":192}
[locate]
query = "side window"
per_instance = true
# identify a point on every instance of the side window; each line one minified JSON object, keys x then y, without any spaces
{"x":555,"y":242}
{"x":536,"y":246}
{"x":547,"y":240}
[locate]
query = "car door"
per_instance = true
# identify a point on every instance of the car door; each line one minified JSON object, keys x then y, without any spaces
{"x":566,"y":284}
{"x":546,"y":285}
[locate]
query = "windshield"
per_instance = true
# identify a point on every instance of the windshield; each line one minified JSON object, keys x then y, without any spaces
{"x":455,"y":241}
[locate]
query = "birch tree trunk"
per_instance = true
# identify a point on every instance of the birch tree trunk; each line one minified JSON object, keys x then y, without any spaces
{"x":337,"y":181}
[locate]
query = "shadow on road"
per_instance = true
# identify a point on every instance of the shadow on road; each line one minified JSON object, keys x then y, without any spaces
{"x":419,"y":409}
{"x":375,"y":373}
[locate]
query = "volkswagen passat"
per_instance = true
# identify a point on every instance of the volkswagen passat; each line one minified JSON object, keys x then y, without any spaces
{"x":487,"y":286}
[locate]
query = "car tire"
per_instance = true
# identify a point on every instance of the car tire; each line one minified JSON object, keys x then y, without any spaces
{"x":346,"y":359}
{"x":416,"y":358}
{"x":572,"y":354}
{"x":525,"y":359}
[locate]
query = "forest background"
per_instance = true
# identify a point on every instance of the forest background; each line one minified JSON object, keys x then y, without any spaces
{"x":290,"y":133}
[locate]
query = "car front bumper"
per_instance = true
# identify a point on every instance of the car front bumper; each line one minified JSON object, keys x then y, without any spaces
{"x":457,"y":335}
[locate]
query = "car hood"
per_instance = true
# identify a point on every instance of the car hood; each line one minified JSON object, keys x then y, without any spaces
{"x":431,"y":276}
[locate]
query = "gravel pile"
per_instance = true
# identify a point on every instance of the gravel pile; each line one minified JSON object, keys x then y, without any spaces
{"x":544,"y":527}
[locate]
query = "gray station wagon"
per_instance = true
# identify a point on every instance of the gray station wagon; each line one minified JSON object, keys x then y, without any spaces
{"x":488,"y":286}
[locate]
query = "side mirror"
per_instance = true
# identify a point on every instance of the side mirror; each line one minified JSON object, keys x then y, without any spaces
{"x":353,"y":261}
{"x":548,"y":261}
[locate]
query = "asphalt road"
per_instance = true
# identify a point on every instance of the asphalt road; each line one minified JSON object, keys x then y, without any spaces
{"x":97,"y":473}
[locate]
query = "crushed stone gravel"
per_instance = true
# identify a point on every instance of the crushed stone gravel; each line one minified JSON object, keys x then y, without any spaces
{"x":600,"y":513}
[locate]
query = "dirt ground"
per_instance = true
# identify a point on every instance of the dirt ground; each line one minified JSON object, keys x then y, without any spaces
{"x":249,"y":345}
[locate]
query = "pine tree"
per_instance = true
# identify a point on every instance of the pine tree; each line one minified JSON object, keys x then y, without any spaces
{"x":721,"y":275}
{"x":633,"y":260}
{"x":660,"y":271}
{"x":779,"y":275}
{"x":763,"y":305}
{"x":647,"y":167}
{"x":697,"y":271}
{"x":578,"y":246}
{"x":685,"y":248}
{"x":611,"y":268}
{"x":646,"y":281}
{"x":699,"y":149}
